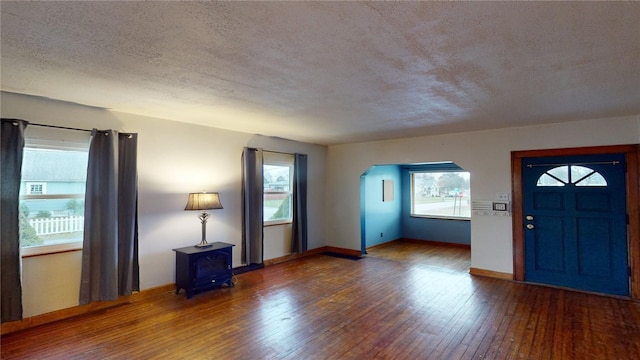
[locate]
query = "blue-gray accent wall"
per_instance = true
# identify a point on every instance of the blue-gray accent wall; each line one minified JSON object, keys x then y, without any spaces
{"x":421,"y":228}
{"x":393,"y":219}
{"x":380,"y":219}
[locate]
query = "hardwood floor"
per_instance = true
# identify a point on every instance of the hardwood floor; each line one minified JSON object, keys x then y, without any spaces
{"x":403,"y":301}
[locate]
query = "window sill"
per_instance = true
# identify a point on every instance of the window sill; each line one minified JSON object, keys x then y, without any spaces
{"x":51,"y":249}
{"x":441,"y":217}
{"x":275,"y":223}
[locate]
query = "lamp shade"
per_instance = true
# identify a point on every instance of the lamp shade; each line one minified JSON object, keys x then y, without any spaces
{"x":203,"y":201}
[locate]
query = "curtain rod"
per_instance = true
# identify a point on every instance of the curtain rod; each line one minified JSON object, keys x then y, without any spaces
{"x":278,"y":152}
{"x":271,"y":151}
{"x":59,"y":127}
{"x":71,"y":128}
{"x":577,"y":163}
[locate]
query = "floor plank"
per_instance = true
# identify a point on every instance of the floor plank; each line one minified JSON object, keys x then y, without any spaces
{"x":404,"y":300}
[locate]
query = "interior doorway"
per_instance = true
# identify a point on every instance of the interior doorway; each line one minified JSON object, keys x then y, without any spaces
{"x":429,"y":201}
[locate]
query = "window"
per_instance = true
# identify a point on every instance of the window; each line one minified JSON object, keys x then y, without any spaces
{"x":278,"y":195}
{"x":52,"y":197}
{"x":443,"y":194}
{"x":571,"y":174}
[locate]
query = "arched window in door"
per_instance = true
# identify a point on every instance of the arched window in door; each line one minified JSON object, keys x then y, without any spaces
{"x":571,"y":174}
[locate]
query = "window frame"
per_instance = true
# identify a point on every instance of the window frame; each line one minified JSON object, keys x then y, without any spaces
{"x":271,"y":158}
{"x":57,"y":145}
{"x":412,"y":212}
{"x":582,"y":181}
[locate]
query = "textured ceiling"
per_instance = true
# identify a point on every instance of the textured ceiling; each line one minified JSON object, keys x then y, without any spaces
{"x":330,"y":72}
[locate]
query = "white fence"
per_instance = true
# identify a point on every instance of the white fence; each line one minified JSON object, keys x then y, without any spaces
{"x":57,"y":225}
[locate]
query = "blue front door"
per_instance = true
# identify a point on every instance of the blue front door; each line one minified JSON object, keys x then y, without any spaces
{"x":575,"y":222}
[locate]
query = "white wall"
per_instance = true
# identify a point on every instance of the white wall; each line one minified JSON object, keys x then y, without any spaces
{"x":486,"y":154}
{"x":176,"y":158}
{"x":173,"y":159}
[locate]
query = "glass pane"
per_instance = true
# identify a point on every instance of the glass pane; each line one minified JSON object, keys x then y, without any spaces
{"x":51,"y":221}
{"x":276,"y":178}
{"x":444,"y":194}
{"x":594,"y":179}
{"x":277,"y":206}
{"x":578,"y":172}
{"x":584,"y":176}
{"x":560,"y":172}
{"x":277,"y":196}
{"x":52,"y":196}
{"x":546,"y":180}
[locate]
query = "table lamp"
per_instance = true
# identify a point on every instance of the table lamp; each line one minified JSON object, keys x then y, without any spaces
{"x":203,"y":201}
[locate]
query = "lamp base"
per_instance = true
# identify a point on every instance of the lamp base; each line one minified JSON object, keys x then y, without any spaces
{"x":203,"y":219}
{"x":203,"y":244}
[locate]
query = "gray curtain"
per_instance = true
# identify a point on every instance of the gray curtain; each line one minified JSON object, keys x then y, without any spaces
{"x":110,"y":247}
{"x":128,"y":267}
{"x":299,"y":226}
{"x":12,"y":144}
{"x":252,"y":206}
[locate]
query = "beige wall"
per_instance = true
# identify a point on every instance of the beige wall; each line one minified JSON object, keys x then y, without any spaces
{"x":173,"y":159}
{"x":486,"y":154}
{"x":50,"y":282}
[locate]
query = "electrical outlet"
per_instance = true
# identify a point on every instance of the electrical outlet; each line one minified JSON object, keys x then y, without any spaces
{"x":380,"y":234}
